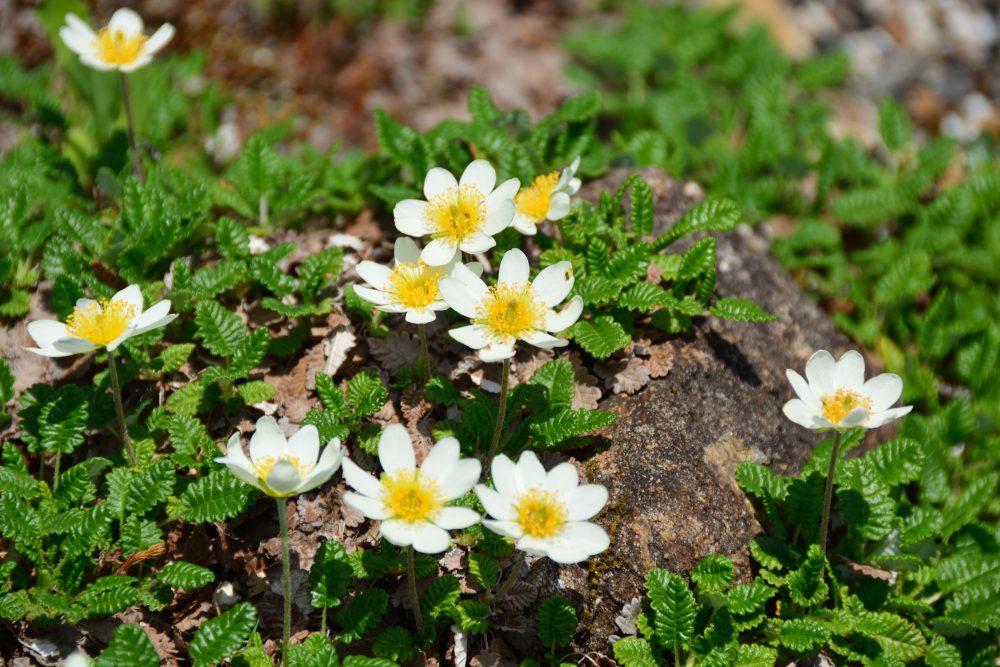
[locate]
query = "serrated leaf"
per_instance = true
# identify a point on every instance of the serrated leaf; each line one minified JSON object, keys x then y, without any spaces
{"x":215,"y":497}
{"x":130,"y":646}
{"x":330,"y":576}
{"x":366,"y":393}
{"x":634,"y":652}
{"x":220,"y":637}
{"x":362,"y":614}
{"x":220,"y":330}
{"x":803,"y":635}
{"x":601,"y":337}
{"x":555,"y":430}
{"x":716,"y":215}
{"x":713,"y":574}
{"x":740,"y":310}
{"x":556,"y":621}
{"x":188,"y":576}
{"x":673,"y":605}
{"x":898,"y":637}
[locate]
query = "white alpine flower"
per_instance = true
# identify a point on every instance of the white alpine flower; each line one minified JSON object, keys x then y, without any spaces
{"x":837,"y":396}
{"x":410,"y":287}
{"x":410,"y":501}
{"x":121,"y":45}
{"x":547,"y":198}
{"x":77,"y":659}
{"x":515,"y":309}
{"x":459,"y":216}
{"x":279,"y":466}
{"x":94,"y":324}
{"x":544,"y":513}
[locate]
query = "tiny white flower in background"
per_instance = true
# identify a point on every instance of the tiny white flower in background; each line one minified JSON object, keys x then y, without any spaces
{"x":459,"y":216}
{"x":545,"y":513}
{"x":410,"y":287}
{"x":547,"y":198}
{"x":837,"y":396}
{"x":121,"y":45}
{"x":279,"y":466}
{"x":410,"y":501}
{"x":515,"y":309}
{"x":94,"y":324}
{"x":77,"y":659}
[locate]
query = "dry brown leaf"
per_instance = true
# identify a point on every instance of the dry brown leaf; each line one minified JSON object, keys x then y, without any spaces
{"x":521,"y":595}
{"x":659,"y":357}
{"x":396,"y":350}
{"x":627,"y":375}
{"x":336,"y":347}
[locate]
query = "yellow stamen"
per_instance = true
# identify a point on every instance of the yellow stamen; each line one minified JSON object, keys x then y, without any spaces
{"x":512,"y":310}
{"x":838,"y":405}
{"x":411,"y":497}
{"x":534,"y":201}
{"x":457,"y":213}
{"x":414,"y":285}
{"x":540,"y":514}
{"x":262,"y":466}
{"x":118,"y":48}
{"x":100,"y":322}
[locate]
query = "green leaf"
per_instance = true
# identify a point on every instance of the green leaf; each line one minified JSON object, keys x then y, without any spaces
{"x":713,"y":574}
{"x":232,"y":239}
{"x":256,"y":391}
{"x":806,"y":586}
{"x":330,"y":576}
{"x":556,"y":621}
{"x":755,"y":655}
{"x":898,"y":461}
{"x":740,"y":310}
{"x":215,"y":497}
{"x":220,"y":637}
{"x":898,"y":637}
{"x":601,"y":337}
{"x":560,"y":427}
{"x":633,"y":652}
{"x":674,"y":605}
{"x":129,"y":647}
{"x":366,"y":393}
{"x":472,"y":616}
{"x":173,"y":357}
{"x":699,"y":260}
{"x":942,"y":654}
{"x":803,"y":635}
{"x":439,"y":598}
{"x":894,"y":123}
{"x":314,"y":651}
{"x":188,"y":576}
{"x":715,"y":215}
{"x":395,"y":643}
{"x":642,"y":208}
{"x":484,"y":570}
{"x":557,"y":380}
{"x":362,"y":614}
{"x":221,"y":330}
{"x":319,"y":270}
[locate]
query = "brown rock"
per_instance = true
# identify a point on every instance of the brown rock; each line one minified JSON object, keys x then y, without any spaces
{"x":669,"y":459}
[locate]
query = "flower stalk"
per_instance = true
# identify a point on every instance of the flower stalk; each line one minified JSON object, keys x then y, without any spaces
{"x":424,"y":350}
{"x":130,"y":122}
{"x":515,"y":569}
{"x":411,"y":576}
{"x":286,"y":579}
{"x":116,"y":392}
{"x":504,"y":383}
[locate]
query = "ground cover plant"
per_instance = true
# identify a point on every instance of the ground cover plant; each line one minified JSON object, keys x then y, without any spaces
{"x":110,"y":203}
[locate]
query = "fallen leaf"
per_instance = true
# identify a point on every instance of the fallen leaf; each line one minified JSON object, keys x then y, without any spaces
{"x":396,"y":350}
{"x":336,"y":348}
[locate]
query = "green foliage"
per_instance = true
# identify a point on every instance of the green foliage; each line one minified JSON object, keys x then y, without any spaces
{"x":129,"y":647}
{"x":220,"y":637}
{"x":556,"y":621}
{"x":330,"y":575}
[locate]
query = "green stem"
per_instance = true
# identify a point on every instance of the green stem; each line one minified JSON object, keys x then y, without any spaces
{"x":136,"y":161}
{"x":495,"y":442}
{"x":286,"y":579}
{"x":411,"y":575}
{"x":831,"y":472}
{"x":116,"y":392}
{"x":677,"y":655}
{"x":511,"y":578}
{"x":422,"y":330}
{"x":322,"y":623}
{"x":55,"y":471}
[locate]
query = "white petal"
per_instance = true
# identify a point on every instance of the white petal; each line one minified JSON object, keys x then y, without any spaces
{"x":561,"y":320}
{"x":535,"y":546}
{"x":480,"y":174}
{"x":47,"y":332}
{"x":78,"y":40}
{"x":558,"y":206}
{"x":856,"y":417}
{"x":553,"y":283}
{"x":267,"y":440}
{"x":886,"y":416}
{"x":802,"y":389}
{"x":131,"y":295}
{"x":395,"y":449}
{"x":460,"y":296}
{"x":819,"y":372}
{"x":405,"y":251}
{"x":158,"y":39}
{"x":421,"y":316}
{"x":438,"y":252}
{"x":456,"y":518}
{"x":498,"y":350}
{"x":329,"y":462}
{"x":410,"y":216}
{"x":579,"y":539}
{"x":498,"y":217}
{"x":397,"y":532}
{"x":562,"y":480}
{"x":524,"y":224}
{"x":138,"y":63}
{"x":503,"y":471}
{"x":374,"y":274}
{"x":304,"y":444}
{"x":509,"y":529}
{"x":883,"y":390}
{"x":361,"y":481}
{"x":92,"y":61}
{"x":586,"y":501}
{"x":242,"y":471}
{"x":234,"y":450}
{"x":377,"y":297}
{"x":437,"y":181}
{"x":470,"y":274}
{"x":573,"y":187}
{"x":495,"y":504}
{"x":127,"y":21}
{"x":506,"y":190}
{"x":514,"y":268}
{"x":461,"y":479}
{"x":371,"y":508}
{"x":800,"y":413}
{"x":71,"y":345}
{"x":530,"y":472}
{"x":122,"y":337}
{"x":156,"y":316}
{"x":284,"y":478}
{"x":441,"y":459}
{"x":477,"y":242}
{"x":849,"y":373}
{"x":543,"y":340}
{"x":429,"y":539}
{"x":48,"y":352}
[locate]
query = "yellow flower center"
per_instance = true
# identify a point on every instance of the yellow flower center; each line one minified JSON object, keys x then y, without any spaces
{"x":512,"y":310}
{"x":457,"y":213}
{"x":534,"y":201}
{"x":540,"y":514}
{"x":118,"y":48}
{"x":838,"y":405}
{"x":100,"y":322}
{"x":411,"y":497}
{"x":262,"y":467}
{"x":414,"y":285}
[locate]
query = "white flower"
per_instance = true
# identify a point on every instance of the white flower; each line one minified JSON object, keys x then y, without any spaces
{"x":837,"y":396}
{"x":544,"y":513}
{"x":77,"y":659}
{"x":461,"y":215}
{"x":94,"y":324}
{"x":547,"y":198}
{"x":121,"y":45}
{"x":282,"y":467}
{"x":514,"y":309}
{"x":410,"y":501}
{"x":410,"y":287}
